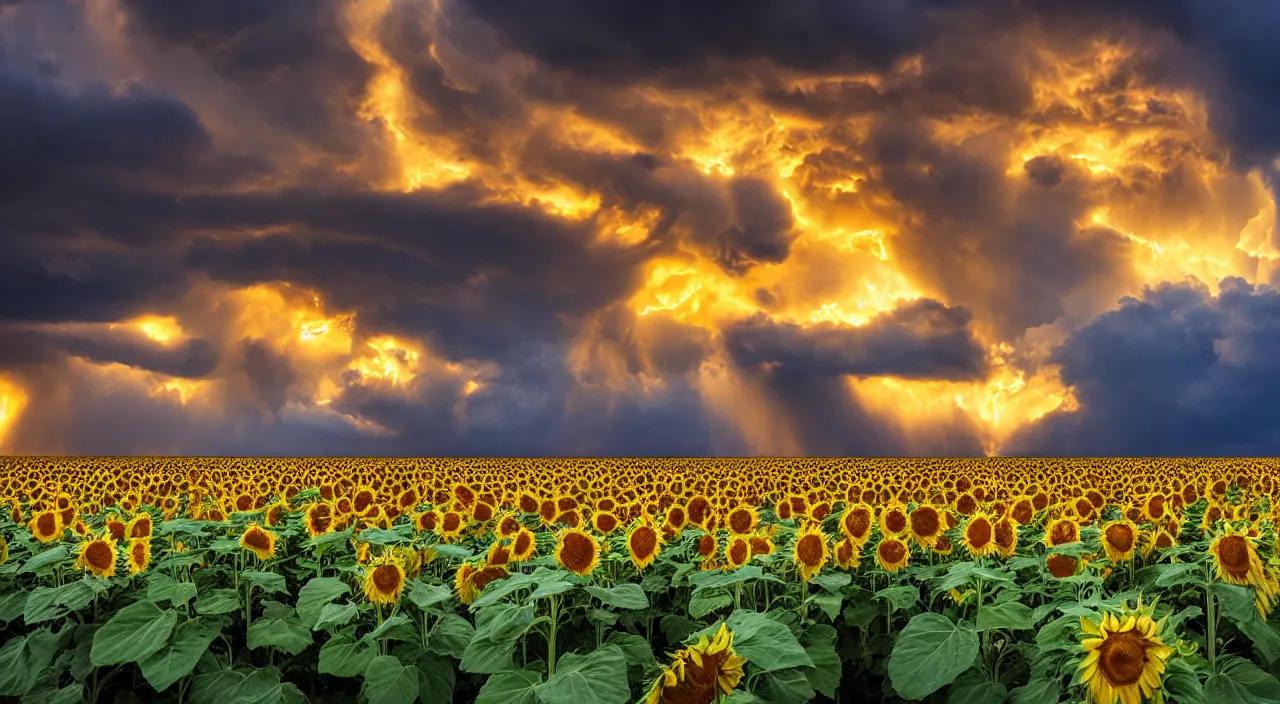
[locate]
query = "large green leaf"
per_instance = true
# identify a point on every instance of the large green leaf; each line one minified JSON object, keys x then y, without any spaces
{"x":518,"y":687}
{"x":929,"y":654}
{"x":496,"y":591}
{"x":287,"y":635}
{"x":973,"y":687}
{"x":424,"y":595}
{"x":334,"y":615}
{"x":449,"y":635}
{"x":1241,"y":682}
{"x":389,"y":681}
{"x":1012,"y":615}
{"x":1182,"y":683}
{"x":22,"y":660}
{"x":315,"y":594}
{"x":44,"y":559}
{"x":767,"y":643}
{"x":48,"y":603}
{"x":12,"y":605}
{"x":635,"y":649}
{"x":268,"y":582}
{"x":703,"y":603}
{"x":623,"y":596}
{"x":136,"y":631}
{"x":1238,"y":606}
{"x":785,"y":687}
{"x":179,"y":656}
{"x":436,"y":679}
{"x":899,"y":598}
{"x":343,"y":656}
{"x":218,"y":601}
{"x":1046,"y":691}
{"x":596,"y":678}
{"x":162,"y":587}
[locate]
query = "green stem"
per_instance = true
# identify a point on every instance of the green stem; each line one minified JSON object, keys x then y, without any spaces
{"x":1211,"y":617}
{"x":551,"y":639}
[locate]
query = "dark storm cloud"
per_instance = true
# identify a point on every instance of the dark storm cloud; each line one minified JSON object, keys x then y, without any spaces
{"x":1177,"y":372}
{"x":626,"y":41}
{"x":289,"y":56}
{"x":922,"y":339}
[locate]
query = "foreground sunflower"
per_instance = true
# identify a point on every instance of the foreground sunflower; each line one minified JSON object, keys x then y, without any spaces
{"x":98,"y":556}
{"x":700,"y":673}
{"x":1125,"y":657}
{"x":1119,"y":539}
{"x":578,"y":551}
{"x":472,"y":577}
{"x":523,"y":546}
{"x":383,"y":580}
{"x":139,"y":555}
{"x":811,"y":552}
{"x":979,"y":535}
{"x":892,"y":554}
{"x":1235,"y":559}
{"x":46,"y":526}
{"x":259,"y":541}
{"x":643,"y":544}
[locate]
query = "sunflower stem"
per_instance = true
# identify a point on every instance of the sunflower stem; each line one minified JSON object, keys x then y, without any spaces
{"x":1211,"y":618}
{"x":551,"y":639}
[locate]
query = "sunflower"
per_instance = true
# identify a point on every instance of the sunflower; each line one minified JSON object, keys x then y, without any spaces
{"x":1062,"y":566}
{"x":700,"y":672}
{"x":761,"y":543}
{"x":508,"y":526}
{"x":46,"y":526}
{"x":925,"y":525}
{"x":1006,"y":536}
{"x":737,"y":553}
{"x":856,"y":522}
{"x":979,"y":535}
{"x":1061,"y":531}
{"x":848,"y":554}
{"x":892,"y":554}
{"x":117,"y":528}
{"x":604,"y":522}
{"x":383,"y":580}
{"x":943,"y":545}
{"x":893,"y":520}
{"x":1235,"y":559}
{"x":743,"y":520}
{"x":4,"y":550}
{"x":1022,"y":511}
{"x":98,"y":555}
{"x":578,"y":551}
{"x":139,"y":526}
{"x":643,"y":544}
{"x":139,"y":555}
{"x":1118,"y":540}
{"x":1125,"y":656}
{"x":523,"y":546}
{"x":259,"y":541}
{"x":811,"y":551}
{"x":318,"y":519}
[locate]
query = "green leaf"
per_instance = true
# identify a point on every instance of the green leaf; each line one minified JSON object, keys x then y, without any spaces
{"x":436,"y":679}
{"x":1180,"y":573}
{"x":133,"y":633}
{"x":161,"y":587}
{"x":48,"y":603}
{"x":450,"y":635}
{"x":623,"y":596}
{"x":767,"y":643}
{"x":179,"y":656}
{"x":495,"y":591}
{"x":46,"y":558}
{"x":343,"y":656}
{"x":268,"y":582}
{"x":518,"y":687}
{"x":498,"y":628}
{"x":929,"y":654}
{"x":825,"y":675}
{"x":218,"y":601}
{"x":287,"y":635}
{"x":832,"y":581}
{"x":381,"y":536}
{"x":1241,"y":682}
{"x":597,"y":678}
{"x":424,"y":595}
{"x":551,"y":588}
{"x":973,"y":687}
{"x":711,"y":580}
{"x":1238,"y":606}
{"x":635,"y":649}
{"x":23,"y":659}
{"x":1182,"y":683}
{"x":861,"y":614}
{"x":1056,"y":635}
{"x":899,"y":598}
{"x":388,"y":629}
{"x":785,"y":687}
{"x":388,"y":681}
{"x":1038,"y":692}
{"x":12,"y":606}
{"x":703,"y":603}
{"x":335,"y":615}
{"x":1012,"y":615}
{"x":315,"y":595}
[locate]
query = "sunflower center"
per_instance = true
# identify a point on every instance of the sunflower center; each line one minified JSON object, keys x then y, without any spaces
{"x":698,"y":509}
{"x":966,"y":504}
{"x":1233,"y":554}
{"x":139,"y":552}
{"x":1022,"y":512}
{"x":257,"y":540}
{"x":643,"y":541}
{"x":577,"y":552}
{"x":99,"y":555}
{"x":47,"y":524}
{"x":891,"y":551}
{"x":739,"y":551}
{"x":1063,"y":532}
{"x":522,"y":543}
{"x":1061,"y":566}
{"x":895,"y":521}
{"x":482,"y":578}
{"x":978,"y":533}
{"x":1120,"y":537}
{"x":809,"y":550}
{"x":924,"y":521}
{"x":740,"y":520}
{"x":1004,"y":534}
{"x":857,"y":522}
{"x":1122,"y":658}
{"x":452,"y":522}
{"x":844,"y":551}
{"x":386,"y":578}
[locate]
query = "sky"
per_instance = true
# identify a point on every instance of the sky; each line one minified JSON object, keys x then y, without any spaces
{"x":664,"y":228}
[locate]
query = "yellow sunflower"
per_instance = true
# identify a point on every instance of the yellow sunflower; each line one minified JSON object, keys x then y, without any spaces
{"x":700,"y":672}
{"x":893,"y":520}
{"x":523,"y":545}
{"x":924,"y":524}
{"x":46,"y":526}
{"x":1235,"y":558}
{"x":1118,"y":540}
{"x":810,"y":551}
{"x":737,"y":553}
{"x":472,"y":578}
{"x":643,"y":544}
{"x":578,"y":551}
{"x":259,"y":541}
{"x":979,"y":535}
{"x":1124,"y":657}
{"x":139,"y":555}
{"x":848,"y":554}
{"x":383,"y":580}
{"x":138,"y":527}
{"x":98,"y":555}
{"x":892,"y":554}
{"x":856,"y":522}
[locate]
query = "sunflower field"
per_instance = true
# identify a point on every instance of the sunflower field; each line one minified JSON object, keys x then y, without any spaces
{"x":224,"y":581}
